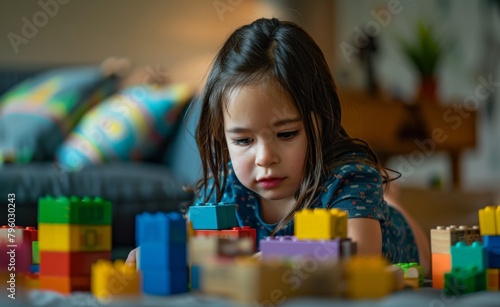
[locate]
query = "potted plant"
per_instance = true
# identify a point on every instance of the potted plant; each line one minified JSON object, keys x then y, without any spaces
{"x":425,"y":52}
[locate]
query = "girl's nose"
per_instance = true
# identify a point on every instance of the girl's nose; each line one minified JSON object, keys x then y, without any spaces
{"x":266,"y":155}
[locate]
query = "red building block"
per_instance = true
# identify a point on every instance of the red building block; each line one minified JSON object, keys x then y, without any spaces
{"x":17,"y":243}
{"x":235,"y":232}
{"x":69,"y":263}
{"x":64,"y":285}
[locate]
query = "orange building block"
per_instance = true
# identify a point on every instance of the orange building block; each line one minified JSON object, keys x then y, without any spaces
{"x":69,"y":263}
{"x":65,"y":285}
{"x":493,"y":276}
{"x":441,"y":264}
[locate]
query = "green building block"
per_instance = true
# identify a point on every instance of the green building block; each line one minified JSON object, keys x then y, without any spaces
{"x":461,"y":281}
{"x":74,"y":210}
{"x":35,"y":253}
{"x":407,"y":265}
{"x":465,"y":256}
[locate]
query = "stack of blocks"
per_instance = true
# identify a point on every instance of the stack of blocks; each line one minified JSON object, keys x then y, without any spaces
{"x":216,"y":220}
{"x":413,"y":274}
{"x":162,"y":238}
{"x":73,"y":233}
{"x":442,"y":239}
{"x":489,"y":223}
{"x":319,"y":233}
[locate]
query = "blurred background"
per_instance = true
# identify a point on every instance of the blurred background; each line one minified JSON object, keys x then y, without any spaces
{"x":419,"y":80}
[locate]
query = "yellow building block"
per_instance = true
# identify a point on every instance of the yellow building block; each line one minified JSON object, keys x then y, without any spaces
{"x":75,"y":238}
{"x":489,"y":220}
{"x":493,"y":276}
{"x":109,"y":280}
{"x":369,"y":277}
{"x":321,"y":224}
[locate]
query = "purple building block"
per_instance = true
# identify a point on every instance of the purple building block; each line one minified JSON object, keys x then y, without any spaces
{"x":290,"y":246}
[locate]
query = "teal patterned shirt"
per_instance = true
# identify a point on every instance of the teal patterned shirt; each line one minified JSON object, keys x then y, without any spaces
{"x":356,"y":188}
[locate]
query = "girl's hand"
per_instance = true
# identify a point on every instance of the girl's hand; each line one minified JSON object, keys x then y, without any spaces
{"x":132,"y":257}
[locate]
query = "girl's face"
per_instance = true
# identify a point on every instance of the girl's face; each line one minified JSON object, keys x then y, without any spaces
{"x":266,"y":140}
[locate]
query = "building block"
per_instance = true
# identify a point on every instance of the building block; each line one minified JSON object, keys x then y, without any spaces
{"x":491,"y":242}
{"x":316,"y":279}
{"x":441,"y":264}
{"x":235,"y":232}
{"x":165,"y":282}
{"x":66,"y":237}
{"x":35,"y":253}
{"x":461,"y":281}
{"x":109,"y":280}
{"x":163,"y":256}
{"x":369,"y":278}
{"x":202,"y":248}
{"x":465,"y":256}
{"x":265,"y":282}
{"x":74,"y":210}
{"x":489,"y":220}
{"x":320,"y":224}
{"x":16,"y":242}
{"x":56,"y":263}
{"x":290,"y":247}
{"x":160,"y":228}
{"x":213,"y":216}
{"x":195,"y":272}
{"x":493,"y":276}
{"x":443,"y":238}
{"x":34,"y":268}
{"x":64,"y":284}
{"x":413,"y":274}
{"x":32,"y":281}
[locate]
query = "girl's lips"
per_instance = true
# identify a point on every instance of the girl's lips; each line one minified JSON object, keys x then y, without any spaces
{"x":270,"y":183}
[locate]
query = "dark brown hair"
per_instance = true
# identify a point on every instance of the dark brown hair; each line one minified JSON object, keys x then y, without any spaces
{"x":286,"y":54}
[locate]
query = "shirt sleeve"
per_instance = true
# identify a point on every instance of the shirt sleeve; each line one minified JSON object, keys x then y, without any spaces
{"x":356,"y":188}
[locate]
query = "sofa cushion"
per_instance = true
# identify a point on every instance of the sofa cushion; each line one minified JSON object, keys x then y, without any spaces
{"x":131,"y":187}
{"x":37,"y":114}
{"x":130,"y":125}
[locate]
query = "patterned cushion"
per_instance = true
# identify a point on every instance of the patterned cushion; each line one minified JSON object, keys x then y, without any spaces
{"x":130,"y":125}
{"x":37,"y":115}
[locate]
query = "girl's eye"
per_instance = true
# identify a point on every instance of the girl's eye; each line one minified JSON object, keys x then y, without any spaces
{"x":288,"y":135}
{"x":242,"y":142}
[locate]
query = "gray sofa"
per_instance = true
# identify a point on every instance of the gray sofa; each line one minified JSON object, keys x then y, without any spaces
{"x":132,"y":187}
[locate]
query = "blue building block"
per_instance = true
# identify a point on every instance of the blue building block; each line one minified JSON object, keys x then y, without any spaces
{"x":213,"y":216}
{"x":160,"y":228}
{"x":163,"y":256}
{"x":34,"y":268}
{"x":491,"y":242}
{"x":465,"y":256}
{"x":493,"y":258}
{"x":195,"y":277}
{"x":165,"y":282}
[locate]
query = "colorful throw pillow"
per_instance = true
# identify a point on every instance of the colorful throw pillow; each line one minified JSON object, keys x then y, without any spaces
{"x":37,"y":115}
{"x":130,"y":125}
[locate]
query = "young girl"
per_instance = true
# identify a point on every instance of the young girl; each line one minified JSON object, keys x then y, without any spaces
{"x":271,"y":141}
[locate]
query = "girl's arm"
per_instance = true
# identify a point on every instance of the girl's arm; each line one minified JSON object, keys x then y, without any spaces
{"x":367,"y":234}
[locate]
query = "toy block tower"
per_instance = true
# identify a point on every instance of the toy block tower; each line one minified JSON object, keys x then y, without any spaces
{"x":73,"y":233}
{"x":469,"y":264}
{"x":442,"y":239}
{"x":489,"y":223}
{"x":162,"y":239}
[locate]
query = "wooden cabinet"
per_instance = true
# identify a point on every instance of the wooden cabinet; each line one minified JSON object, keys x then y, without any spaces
{"x":415,"y":131}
